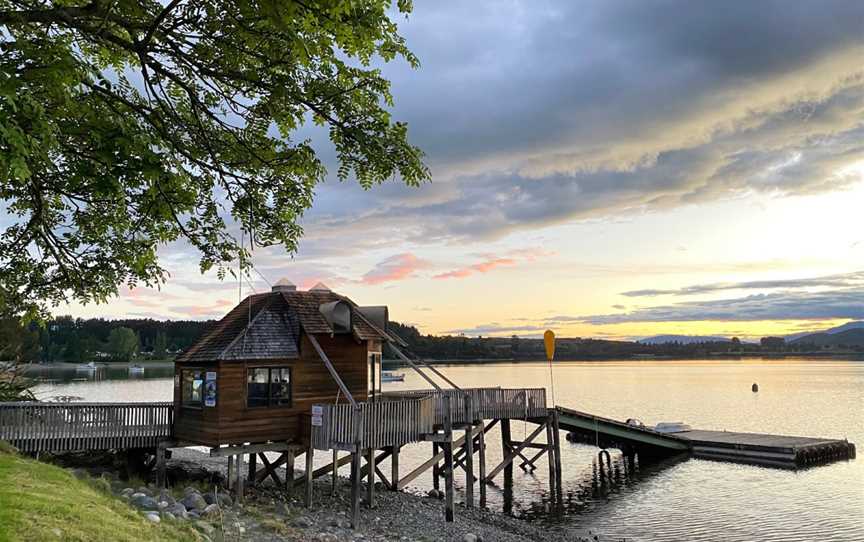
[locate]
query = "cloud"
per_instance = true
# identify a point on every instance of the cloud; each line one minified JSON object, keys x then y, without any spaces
{"x":480,"y":267}
{"x":658,"y":109}
{"x":514,"y":257}
{"x":833,"y":281}
{"x":788,"y":305}
{"x":396,"y":267}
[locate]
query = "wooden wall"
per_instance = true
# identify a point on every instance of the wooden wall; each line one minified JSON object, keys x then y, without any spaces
{"x":232,"y":422}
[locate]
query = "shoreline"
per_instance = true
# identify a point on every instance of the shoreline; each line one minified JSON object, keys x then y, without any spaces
{"x":396,"y":516}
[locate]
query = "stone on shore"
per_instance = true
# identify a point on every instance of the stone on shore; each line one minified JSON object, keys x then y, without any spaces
{"x":194,"y":501}
{"x":152,"y":516}
{"x":211,"y":510}
{"x":143,"y":502}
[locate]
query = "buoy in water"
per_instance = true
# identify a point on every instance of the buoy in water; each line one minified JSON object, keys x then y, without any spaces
{"x":755,"y":387}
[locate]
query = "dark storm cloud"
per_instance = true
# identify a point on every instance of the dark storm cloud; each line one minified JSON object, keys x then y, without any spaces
{"x":845,"y":303}
{"x":534,"y":113}
{"x":831,"y":281}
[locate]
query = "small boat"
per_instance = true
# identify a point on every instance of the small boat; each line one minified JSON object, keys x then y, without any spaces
{"x":136,"y":369}
{"x":390,"y":376}
{"x":672,"y":427}
{"x":91,"y":366}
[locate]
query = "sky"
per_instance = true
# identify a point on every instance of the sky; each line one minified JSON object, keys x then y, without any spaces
{"x":603,"y":169}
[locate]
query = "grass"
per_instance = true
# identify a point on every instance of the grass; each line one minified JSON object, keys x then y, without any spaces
{"x":43,"y":502}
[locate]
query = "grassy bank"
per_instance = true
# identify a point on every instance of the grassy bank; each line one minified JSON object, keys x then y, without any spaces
{"x":43,"y":502}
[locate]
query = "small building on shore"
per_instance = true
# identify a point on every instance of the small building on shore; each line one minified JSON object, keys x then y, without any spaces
{"x":254,"y":376}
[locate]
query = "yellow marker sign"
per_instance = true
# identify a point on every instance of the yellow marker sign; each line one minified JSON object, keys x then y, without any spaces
{"x":549,"y":341}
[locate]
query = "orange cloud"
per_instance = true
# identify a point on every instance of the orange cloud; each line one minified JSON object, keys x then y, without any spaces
{"x":396,"y":267}
{"x":481,"y":267}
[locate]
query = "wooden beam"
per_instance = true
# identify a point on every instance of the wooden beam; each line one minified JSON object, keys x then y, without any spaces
{"x":506,"y":448}
{"x":394,"y":467}
{"x":335,"y":471}
{"x":436,"y":458}
{"x":370,"y":478}
{"x":355,"y":488}
{"x":481,"y":457}
{"x":556,"y":433}
{"x":270,"y":470}
{"x":514,"y":452}
{"x":309,"y":472}
{"x":332,"y":370}
{"x":448,"y":461}
{"x":321,"y":471}
{"x":227,"y":451}
{"x":250,"y":477}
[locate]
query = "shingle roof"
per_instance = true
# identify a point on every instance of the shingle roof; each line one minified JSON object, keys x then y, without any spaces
{"x":267,"y":326}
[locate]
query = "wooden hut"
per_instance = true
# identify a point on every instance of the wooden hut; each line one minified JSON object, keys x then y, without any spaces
{"x":255,"y":375}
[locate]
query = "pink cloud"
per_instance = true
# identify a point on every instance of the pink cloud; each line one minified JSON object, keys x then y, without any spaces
{"x":514,"y":257}
{"x":480,"y":267}
{"x":396,"y":267}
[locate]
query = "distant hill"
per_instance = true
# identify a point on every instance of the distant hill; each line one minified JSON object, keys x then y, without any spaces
{"x":682,"y":339}
{"x":857,"y":324}
{"x":852,"y":336}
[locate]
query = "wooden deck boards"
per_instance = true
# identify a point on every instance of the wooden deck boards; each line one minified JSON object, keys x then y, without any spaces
{"x":754,"y":440}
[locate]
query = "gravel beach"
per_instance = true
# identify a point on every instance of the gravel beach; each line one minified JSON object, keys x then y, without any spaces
{"x":268,"y":515}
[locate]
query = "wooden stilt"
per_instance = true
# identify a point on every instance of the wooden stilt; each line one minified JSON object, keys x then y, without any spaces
{"x":436,"y":484}
{"x":370,"y":483}
{"x":239,"y":472}
{"x":469,"y":468}
{"x":160,"y":466}
{"x":448,"y":461}
{"x":253,"y":467}
{"x":481,"y":456}
{"x":505,"y":451}
{"x":310,"y":452}
{"x":355,"y":488}
{"x":230,"y":473}
{"x":289,"y":471}
{"x":335,"y":478}
{"x":394,"y":468}
{"x":550,"y":456}
{"x":558,"y":478}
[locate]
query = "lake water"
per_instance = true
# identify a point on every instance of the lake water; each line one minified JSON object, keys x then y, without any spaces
{"x":692,"y":500}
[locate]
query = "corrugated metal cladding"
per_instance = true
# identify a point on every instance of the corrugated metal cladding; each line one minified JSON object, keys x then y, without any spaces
{"x":268,"y":325}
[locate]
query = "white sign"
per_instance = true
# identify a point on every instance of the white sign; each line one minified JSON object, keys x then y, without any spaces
{"x":317,"y":421}
{"x":317,"y":410}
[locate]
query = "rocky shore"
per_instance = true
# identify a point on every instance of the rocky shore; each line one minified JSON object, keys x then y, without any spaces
{"x":267,"y":514}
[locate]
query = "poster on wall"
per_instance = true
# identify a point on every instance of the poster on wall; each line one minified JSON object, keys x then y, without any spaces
{"x":210,"y":389}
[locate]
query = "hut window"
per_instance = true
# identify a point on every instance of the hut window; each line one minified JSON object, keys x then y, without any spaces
{"x":192,"y":387}
{"x":268,"y":386}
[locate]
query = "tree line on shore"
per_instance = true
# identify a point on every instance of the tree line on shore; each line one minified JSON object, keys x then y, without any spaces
{"x":79,"y":340}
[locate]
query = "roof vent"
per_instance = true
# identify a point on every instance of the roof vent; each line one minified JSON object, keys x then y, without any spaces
{"x":320,"y":287}
{"x":284,"y":285}
{"x":378,"y":316}
{"x":338,"y":315}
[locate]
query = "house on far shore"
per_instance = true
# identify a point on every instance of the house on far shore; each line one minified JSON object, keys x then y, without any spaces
{"x":254,"y":377}
{"x":773,"y":343}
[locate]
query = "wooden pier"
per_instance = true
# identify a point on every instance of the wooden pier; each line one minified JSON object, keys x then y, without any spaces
{"x":35,"y":427}
{"x":753,"y":448}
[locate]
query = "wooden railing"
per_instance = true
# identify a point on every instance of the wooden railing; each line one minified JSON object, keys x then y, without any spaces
{"x":372,"y":425}
{"x":59,"y":427}
{"x":483,"y":403}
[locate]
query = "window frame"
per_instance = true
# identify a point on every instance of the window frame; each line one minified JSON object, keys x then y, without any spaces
{"x":198,"y":405}
{"x":270,"y":400}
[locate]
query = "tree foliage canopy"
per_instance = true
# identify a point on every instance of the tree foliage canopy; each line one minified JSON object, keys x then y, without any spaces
{"x":129,"y":124}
